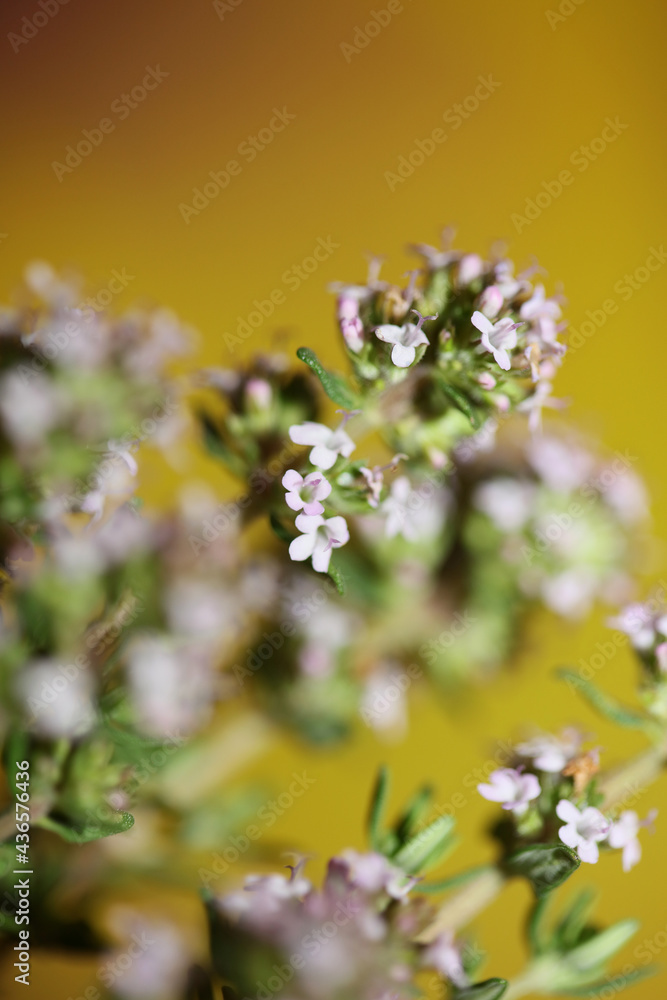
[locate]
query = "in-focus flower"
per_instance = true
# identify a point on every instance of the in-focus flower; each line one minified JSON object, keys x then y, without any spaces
{"x":497,"y":338}
{"x":327,"y":444}
{"x":513,"y":789}
{"x":306,"y":491}
{"x":319,"y":537}
{"x":406,"y":339}
{"x":583,"y":829}
{"x":444,"y":955}
{"x":624,"y":834}
{"x":552,"y":753}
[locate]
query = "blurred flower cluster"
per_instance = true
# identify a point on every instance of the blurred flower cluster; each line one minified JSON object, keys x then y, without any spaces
{"x":392,"y":524}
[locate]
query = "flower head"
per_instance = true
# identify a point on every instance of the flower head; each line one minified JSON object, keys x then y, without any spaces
{"x":552,"y":753}
{"x":406,"y":339}
{"x":497,"y":338}
{"x":327,"y":444}
{"x":444,"y":954}
{"x":306,"y":492}
{"x":319,"y":537}
{"x":583,"y":829}
{"x":510,"y":787}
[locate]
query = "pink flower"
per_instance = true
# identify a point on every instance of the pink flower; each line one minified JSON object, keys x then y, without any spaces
{"x":319,"y":537}
{"x":512,"y":788}
{"x":444,"y":955}
{"x":406,"y":339}
{"x":583,"y":829}
{"x":491,"y":301}
{"x":497,"y":337}
{"x":624,"y":834}
{"x":306,"y":492}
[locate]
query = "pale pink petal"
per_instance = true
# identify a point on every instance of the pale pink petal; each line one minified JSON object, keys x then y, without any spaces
{"x":588,"y":851}
{"x":310,"y":432}
{"x":292,"y":480}
{"x":321,"y":554}
{"x":569,"y":836}
{"x":567,"y":811}
{"x":308,"y":524}
{"x":632,"y":853}
{"x":337,"y":528}
{"x":483,"y":324}
{"x":323,"y":457}
{"x":389,"y":334}
{"x":294,"y":501}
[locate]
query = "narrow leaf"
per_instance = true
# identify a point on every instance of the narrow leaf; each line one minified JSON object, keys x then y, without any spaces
{"x":461,"y":401}
{"x":616,"y":983}
{"x":544,"y":865}
{"x":490,"y":989}
{"x":85,"y":834}
{"x":334,"y":385}
{"x":426,"y":847}
{"x":378,"y":808}
{"x":337,"y":578}
{"x":603,"y":946}
{"x":603,"y":703}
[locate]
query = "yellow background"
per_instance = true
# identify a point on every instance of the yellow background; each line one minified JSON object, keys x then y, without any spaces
{"x":325,"y":176}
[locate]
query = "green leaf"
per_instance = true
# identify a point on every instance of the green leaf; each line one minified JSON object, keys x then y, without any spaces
{"x":544,"y":865}
{"x":599,"y":949}
{"x":413,"y":813}
{"x":217,"y":448}
{"x":334,"y":385}
{"x":427,"y":847}
{"x":538,"y":937}
{"x":377,"y":809}
{"x":85,"y":834}
{"x":335,"y":574}
{"x":574,"y":920}
{"x":490,"y":989}
{"x":280,"y":530}
{"x":615,"y":983}
{"x":460,"y":400}
{"x":604,"y":704}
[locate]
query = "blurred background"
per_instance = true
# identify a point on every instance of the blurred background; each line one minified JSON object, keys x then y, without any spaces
{"x":311,"y":124}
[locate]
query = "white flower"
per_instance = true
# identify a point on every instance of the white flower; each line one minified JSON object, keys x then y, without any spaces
{"x":306,"y":491}
{"x":539,"y":307}
{"x":508,"y":502}
{"x":497,"y":337}
{"x":640,"y":623}
{"x":583,"y":829}
{"x":327,"y":444}
{"x":624,"y":834}
{"x":406,"y":339}
{"x":444,"y":955}
{"x":510,"y":787}
{"x":319,"y":537}
{"x":551,"y":753}
{"x":58,"y":699}
{"x":414,"y":513}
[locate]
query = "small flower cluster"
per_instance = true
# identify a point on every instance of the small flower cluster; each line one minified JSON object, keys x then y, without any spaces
{"x":560,"y":786}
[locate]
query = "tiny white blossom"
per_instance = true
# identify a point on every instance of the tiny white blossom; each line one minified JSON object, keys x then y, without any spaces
{"x":624,"y":834}
{"x":511,"y":788}
{"x":552,"y":753}
{"x":306,"y":492}
{"x":327,"y":444}
{"x":583,"y":829}
{"x":406,"y":339}
{"x":497,"y":338}
{"x":319,"y":537}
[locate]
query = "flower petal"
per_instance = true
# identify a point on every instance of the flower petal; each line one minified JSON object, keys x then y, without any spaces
{"x":483,"y":324}
{"x":588,"y":851}
{"x":309,"y":432}
{"x":402,"y":356}
{"x":308,"y":524}
{"x":292,"y":480}
{"x":294,"y":501}
{"x":568,"y":834}
{"x":302,"y":547}
{"x":567,"y":811}
{"x":321,"y":554}
{"x":389,"y":334}
{"x":323,"y":457}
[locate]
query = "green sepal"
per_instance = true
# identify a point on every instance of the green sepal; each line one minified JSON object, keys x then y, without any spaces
{"x":546,"y":866}
{"x":460,"y":401}
{"x":334,"y":385}
{"x":335,"y":574}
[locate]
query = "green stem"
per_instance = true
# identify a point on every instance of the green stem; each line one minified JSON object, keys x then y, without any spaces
{"x":464,"y":905}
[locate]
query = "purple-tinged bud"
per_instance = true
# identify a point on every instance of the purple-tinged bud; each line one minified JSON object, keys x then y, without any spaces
{"x":258,"y":394}
{"x":471,"y":266}
{"x":487,"y":381}
{"x":353,"y":333}
{"x":491,"y":301}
